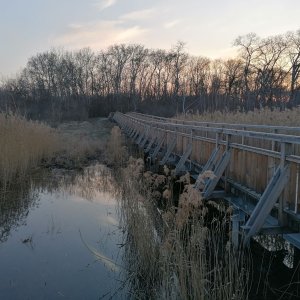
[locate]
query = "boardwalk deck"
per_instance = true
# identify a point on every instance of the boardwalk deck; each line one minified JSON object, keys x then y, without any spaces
{"x":256,"y":163}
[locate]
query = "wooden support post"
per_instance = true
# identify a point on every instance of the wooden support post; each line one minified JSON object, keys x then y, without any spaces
{"x":219,"y":170}
{"x":243,"y":137}
{"x":183,"y":158}
{"x":228,"y":140}
{"x":143,"y":142}
{"x":191,"y":143}
{"x":226,"y":184}
{"x":237,"y":217}
{"x":170,"y":148}
{"x":141,"y":135}
{"x":282,"y":217}
{"x":217,"y":139}
{"x":266,"y":202}
{"x":210,"y":165}
{"x":150,"y":144}
{"x":160,"y":141}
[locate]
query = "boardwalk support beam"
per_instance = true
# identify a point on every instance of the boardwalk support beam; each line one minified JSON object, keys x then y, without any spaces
{"x":160,"y":142}
{"x":169,"y":150}
{"x":217,"y":167}
{"x":186,"y":154}
{"x":266,"y":202}
{"x":210,"y":165}
{"x":150,"y":144}
{"x":143,"y":141}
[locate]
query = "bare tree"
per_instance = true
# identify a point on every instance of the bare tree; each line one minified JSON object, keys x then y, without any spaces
{"x":248,"y":45}
{"x":293,"y":40}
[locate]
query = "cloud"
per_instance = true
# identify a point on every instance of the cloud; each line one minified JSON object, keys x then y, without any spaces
{"x":100,"y":34}
{"x":138,"y":15}
{"x":171,"y":24}
{"x":104,"y":4}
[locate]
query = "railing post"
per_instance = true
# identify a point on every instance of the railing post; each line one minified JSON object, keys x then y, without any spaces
{"x":191,"y":142}
{"x":226,"y":184}
{"x":282,"y":154}
{"x":217,"y":139}
{"x":243,"y":137}
{"x":271,"y":160}
{"x":282,"y":217}
{"x":228,"y":140}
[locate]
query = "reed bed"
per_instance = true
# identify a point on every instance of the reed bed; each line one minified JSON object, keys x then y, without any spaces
{"x":185,"y":255}
{"x":116,"y":152}
{"x":23,"y":144}
{"x":26,"y":144}
{"x":262,"y":117}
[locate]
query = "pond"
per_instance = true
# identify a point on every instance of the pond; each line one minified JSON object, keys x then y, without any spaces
{"x":60,"y":238}
{"x":70,"y":235}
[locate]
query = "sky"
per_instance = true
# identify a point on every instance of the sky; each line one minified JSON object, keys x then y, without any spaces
{"x":208,"y":28}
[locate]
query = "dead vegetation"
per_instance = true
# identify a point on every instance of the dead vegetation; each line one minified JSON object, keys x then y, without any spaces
{"x":23,"y":144}
{"x":116,"y":153}
{"x":181,"y":251}
{"x":26,"y":144}
{"x":262,"y":117}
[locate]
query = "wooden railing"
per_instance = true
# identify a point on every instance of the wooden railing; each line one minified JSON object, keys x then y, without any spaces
{"x":258,"y":160}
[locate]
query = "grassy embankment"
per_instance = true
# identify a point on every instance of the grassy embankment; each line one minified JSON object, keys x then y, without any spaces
{"x":25,"y":145}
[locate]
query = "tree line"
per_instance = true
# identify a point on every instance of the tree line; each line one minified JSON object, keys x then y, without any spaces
{"x":76,"y":84}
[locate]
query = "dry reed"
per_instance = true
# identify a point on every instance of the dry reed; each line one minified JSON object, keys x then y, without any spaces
{"x":261,"y":117}
{"x":23,"y":144}
{"x":186,"y":259}
{"x":115,"y":149}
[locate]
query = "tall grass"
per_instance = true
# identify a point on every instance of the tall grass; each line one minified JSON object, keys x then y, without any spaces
{"x":23,"y":144}
{"x":262,"y":117}
{"x":198,"y":258}
{"x":115,"y":150}
{"x":186,"y":256}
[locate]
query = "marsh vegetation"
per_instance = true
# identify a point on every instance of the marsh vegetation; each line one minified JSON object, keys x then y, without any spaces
{"x":26,"y":145}
{"x":77,"y":198}
{"x":178,"y":246}
{"x":120,"y":232}
{"x":276,"y":117}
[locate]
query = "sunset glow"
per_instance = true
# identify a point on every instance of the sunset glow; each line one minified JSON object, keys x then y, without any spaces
{"x":207,"y":27}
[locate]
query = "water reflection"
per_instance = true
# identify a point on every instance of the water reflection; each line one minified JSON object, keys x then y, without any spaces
{"x":60,"y":238}
{"x":14,"y":207}
{"x":276,"y":243}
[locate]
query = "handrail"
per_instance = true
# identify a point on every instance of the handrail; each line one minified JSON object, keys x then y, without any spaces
{"x":221,"y":125}
{"x":258,"y":164}
{"x":277,"y":137}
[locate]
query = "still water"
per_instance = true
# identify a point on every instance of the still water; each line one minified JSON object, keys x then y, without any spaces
{"x":60,"y":238}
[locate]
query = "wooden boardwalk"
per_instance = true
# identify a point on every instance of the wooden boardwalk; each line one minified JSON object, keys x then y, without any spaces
{"x":256,"y":167}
